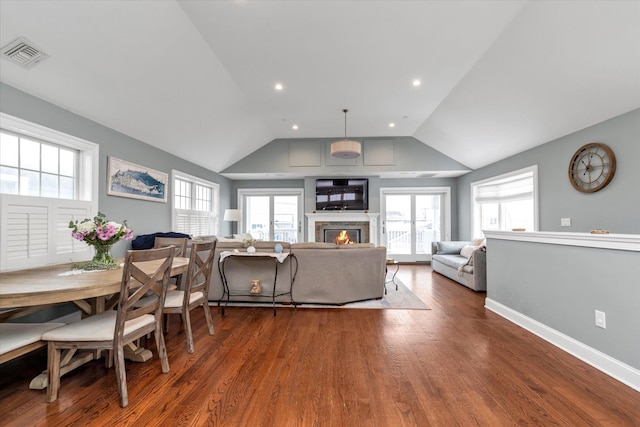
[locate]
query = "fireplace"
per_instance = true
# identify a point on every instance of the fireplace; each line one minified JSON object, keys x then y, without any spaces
{"x":366,"y":223}
{"x":329,"y":231}
{"x":342,"y":237}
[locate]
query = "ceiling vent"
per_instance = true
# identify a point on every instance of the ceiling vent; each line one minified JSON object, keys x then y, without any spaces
{"x":24,"y":53}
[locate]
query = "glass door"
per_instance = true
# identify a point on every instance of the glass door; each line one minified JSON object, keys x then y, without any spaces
{"x":272,"y":214}
{"x":412,"y":219}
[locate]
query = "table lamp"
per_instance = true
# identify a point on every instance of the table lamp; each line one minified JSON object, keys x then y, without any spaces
{"x":232,"y":215}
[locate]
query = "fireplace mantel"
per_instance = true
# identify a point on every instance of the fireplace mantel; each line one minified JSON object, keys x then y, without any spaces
{"x":372,"y":218}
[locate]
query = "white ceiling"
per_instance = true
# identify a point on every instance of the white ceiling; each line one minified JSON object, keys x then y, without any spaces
{"x":196,"y":78}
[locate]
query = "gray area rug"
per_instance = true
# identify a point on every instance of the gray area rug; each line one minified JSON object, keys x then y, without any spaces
{"x":402,"y":299}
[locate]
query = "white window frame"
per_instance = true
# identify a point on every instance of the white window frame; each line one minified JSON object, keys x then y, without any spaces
{"x":213,"y":215}
{"x":476,"y":232}
{"x":55,"y":242}
{"x":244,"y":192}
{"x":413,"y":191}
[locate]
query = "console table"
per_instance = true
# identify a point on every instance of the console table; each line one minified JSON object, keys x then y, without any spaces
{"x":272,"y":257}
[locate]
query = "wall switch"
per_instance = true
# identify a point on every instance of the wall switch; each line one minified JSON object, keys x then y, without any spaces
{"x":601,"y":319}
{"x":565,"y":222}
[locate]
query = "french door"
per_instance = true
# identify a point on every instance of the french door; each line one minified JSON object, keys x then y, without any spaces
{"x":272,"y":214}
{"x":412,"y":218}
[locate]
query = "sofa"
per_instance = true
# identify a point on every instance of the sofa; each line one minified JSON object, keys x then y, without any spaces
{"x":325,"y":273}
{"x":462,"y":261}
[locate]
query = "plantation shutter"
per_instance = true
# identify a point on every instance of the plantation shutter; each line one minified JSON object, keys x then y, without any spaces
{"x":35,"y":231}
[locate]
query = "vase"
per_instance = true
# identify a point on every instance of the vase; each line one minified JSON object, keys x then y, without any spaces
{"x":103,"y":255}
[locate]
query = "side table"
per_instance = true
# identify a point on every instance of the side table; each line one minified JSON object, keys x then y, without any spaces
{"x":276,"y":258}
{"x":392,"y":262}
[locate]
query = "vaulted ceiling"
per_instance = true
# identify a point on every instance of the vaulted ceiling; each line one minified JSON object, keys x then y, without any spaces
{"x":197,"y":78}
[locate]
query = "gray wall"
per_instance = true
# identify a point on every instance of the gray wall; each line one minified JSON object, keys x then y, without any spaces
{"x":142,"y":216}
{"x":562,"y":286}
{"x":615,"y":208}
{"x":310,"y":157}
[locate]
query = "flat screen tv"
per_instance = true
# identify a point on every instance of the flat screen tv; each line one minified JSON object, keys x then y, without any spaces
{"x":342,"y":194}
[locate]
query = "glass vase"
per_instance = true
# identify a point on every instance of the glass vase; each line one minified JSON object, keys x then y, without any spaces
{"x":103,"y":256}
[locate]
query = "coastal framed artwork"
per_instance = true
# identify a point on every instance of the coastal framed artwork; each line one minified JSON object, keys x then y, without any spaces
{"x":126,"y":179}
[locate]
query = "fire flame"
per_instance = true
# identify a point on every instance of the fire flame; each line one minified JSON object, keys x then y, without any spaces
{"x":343,"y":238}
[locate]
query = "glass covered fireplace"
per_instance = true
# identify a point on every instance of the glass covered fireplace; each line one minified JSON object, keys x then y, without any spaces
{"x":342,"y":237}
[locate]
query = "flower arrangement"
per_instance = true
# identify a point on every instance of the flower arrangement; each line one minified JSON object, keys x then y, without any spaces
{"x":101,"y":234}
{"x":248,"y":242}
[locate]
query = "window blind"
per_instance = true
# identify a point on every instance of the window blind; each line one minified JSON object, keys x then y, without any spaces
{"x":511,"y":189}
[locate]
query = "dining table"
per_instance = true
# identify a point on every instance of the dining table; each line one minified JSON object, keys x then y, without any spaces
{"x":29,"y":290}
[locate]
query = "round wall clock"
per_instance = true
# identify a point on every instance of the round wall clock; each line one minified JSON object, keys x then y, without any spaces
{"x":592,"y":167}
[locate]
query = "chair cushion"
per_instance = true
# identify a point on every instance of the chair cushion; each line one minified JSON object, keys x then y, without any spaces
{"x":100,"y":327}
{"x":174,"y":298}
{"x":16,"y":335}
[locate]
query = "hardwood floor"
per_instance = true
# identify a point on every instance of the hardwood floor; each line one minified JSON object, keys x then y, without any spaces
{"x":456,"y":364}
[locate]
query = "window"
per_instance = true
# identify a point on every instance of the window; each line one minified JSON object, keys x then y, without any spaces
{"x":506,"y":202}
{"x":412,"y":218}
{"x":47,"y":178}
{"x":195,"y":205}
{"x":271,"y":213}
{"x":32,"y":167}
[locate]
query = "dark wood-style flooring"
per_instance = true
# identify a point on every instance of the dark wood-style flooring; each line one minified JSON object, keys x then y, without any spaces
{"x":457,"y":364}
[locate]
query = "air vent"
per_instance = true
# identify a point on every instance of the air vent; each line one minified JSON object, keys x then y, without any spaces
{"x":24,"y":53}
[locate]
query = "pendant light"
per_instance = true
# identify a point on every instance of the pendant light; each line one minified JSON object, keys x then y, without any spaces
{"x":345,"y":148}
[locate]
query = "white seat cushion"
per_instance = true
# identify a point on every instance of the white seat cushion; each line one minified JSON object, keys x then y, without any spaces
{"x":174,"y":298}
{"x":100,"y":327}
{"x":16,"y":335}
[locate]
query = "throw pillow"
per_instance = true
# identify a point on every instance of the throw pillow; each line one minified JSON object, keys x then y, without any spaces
{"x":478,"y":242}
{"x":467,"y":252}
{"x":449,"y":248}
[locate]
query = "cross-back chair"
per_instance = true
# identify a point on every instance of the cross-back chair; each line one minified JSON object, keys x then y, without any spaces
{"x":181,"y":250}
{"x":144,"y":271}
{"x":196,"y":289}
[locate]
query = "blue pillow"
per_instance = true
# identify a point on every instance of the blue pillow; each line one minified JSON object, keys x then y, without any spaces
{"x":450,"y":248}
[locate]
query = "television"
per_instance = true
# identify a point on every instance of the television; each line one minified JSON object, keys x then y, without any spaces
{"x":342,"y":194}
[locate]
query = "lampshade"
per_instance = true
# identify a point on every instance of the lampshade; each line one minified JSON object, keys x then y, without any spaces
{"x":232,"y":215}
{"x":345,"y":148}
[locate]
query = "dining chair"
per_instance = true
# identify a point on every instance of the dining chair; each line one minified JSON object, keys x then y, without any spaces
{"x":112,"y":329}
{"x":181,"y":250}
{"x":196,"y":289}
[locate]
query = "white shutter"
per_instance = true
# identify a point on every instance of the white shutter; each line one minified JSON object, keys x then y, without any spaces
{"x":195,"y":223}
{"x":27,"y":234}
{"x":35,"y":231}
{"x":74,"y":211}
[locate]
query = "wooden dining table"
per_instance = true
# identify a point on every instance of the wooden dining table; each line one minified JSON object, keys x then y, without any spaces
{"x":25,"y":291}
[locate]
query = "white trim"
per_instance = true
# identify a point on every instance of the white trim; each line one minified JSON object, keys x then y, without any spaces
{"x":88,"y":162}
{"x":623,"y":242}
{"x":533,"y":168}
{"x":372,"y":218}
{"x":215,"y":197}
{"x":299,"y":192}
{"x":445,"y":211}
{"x":614,"y":368}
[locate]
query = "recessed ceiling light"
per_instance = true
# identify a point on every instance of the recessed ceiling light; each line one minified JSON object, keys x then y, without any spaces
{"x":294,"y":127}
{"x":392,"y":125}
{"x":416,"y":82}
{"x":278,"y":86}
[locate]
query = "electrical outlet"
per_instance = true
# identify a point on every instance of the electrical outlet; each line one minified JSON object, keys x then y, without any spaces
{"x":601,"y":319}
{"x":565,"y":222}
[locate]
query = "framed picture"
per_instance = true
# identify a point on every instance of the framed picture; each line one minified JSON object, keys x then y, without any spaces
{"x":127,"y":179}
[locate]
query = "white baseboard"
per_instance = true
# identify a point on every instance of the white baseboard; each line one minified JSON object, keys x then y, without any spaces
{"x":614,"y":368}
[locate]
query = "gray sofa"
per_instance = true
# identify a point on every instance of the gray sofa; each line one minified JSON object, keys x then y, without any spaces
{"x":446,"y":259}
{"x":326,"y":273}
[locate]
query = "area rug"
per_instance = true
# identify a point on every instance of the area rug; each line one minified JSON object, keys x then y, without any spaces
{"x":402,"y":299}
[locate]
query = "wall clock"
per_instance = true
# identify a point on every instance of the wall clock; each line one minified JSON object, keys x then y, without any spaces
{"x":592,"y":167}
